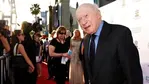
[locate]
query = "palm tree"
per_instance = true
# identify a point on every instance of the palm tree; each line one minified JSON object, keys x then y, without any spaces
{"x":35,"y":9}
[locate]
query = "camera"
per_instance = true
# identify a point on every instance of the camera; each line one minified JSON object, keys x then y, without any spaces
{"x":37,"y":26}
{"x":3,"y":31}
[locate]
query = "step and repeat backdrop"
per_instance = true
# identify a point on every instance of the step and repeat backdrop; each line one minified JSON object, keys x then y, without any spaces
{"x":135,"y":15}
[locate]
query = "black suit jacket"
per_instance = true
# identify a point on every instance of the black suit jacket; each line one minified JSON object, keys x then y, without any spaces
{"x":116,"y":60}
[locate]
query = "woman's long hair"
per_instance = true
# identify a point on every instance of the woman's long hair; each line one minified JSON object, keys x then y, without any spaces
{"x":26,"y":27}
{"x":74,"y":36}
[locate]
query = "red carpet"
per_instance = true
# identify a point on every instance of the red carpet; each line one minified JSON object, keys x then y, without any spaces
{"x":42,"y":79}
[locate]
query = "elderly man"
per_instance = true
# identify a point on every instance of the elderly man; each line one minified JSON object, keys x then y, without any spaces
{"x":110,"y":57}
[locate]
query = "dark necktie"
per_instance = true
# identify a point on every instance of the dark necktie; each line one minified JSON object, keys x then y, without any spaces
{"x":92,"y":51}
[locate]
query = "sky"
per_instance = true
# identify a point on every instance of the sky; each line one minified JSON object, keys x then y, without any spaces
{"x":23,"y":8}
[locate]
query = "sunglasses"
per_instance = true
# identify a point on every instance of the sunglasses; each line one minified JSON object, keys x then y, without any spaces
{"x":21,"y":34}
{"x":62,"y":33}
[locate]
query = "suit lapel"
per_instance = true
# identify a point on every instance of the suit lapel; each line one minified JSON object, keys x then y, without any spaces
{"x":100,"y":49}
{"x":87,"y":40}
{"x":86,"y":54}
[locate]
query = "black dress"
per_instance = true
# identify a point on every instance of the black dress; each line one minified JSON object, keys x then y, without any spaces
{"x":20,"y":73}
{"x":60,"y":68}
{"x":30,"y":48}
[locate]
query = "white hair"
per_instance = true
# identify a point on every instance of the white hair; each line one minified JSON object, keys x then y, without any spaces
{"x":88,"y":5}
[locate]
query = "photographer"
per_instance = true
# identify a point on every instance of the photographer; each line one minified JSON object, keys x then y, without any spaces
{"x":4,"y":44}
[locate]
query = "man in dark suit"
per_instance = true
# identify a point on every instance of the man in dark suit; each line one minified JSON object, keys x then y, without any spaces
{"x":115,"y":59}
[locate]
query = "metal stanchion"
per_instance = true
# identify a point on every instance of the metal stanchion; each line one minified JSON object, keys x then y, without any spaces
{"x":2,"y":71}
{"x":4,"y":58}
{"x":7,"y":65}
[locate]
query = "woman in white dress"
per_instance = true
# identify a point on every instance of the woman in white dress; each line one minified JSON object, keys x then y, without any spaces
{"x":75,"y":71}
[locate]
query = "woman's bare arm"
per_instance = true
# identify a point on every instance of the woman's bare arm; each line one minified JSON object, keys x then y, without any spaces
{"x":52,"y":53}
{"x":22,"y":51}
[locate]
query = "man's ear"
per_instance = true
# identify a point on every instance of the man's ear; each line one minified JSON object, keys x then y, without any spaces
{"x":98,"y":14}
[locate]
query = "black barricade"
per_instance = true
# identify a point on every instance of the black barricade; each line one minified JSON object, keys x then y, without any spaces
{"x":4,"y":69}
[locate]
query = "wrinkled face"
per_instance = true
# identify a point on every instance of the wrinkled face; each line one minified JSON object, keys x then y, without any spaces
{"x":89,"y":19}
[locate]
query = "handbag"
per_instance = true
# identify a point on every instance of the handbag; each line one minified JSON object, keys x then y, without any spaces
{"x":18,"y":60}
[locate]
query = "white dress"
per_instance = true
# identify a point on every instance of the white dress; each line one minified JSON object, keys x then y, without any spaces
{"x":75,"y":71}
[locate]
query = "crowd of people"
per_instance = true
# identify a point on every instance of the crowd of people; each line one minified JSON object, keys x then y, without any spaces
{"x":105,"y":55}
{"x":28,"y":50}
